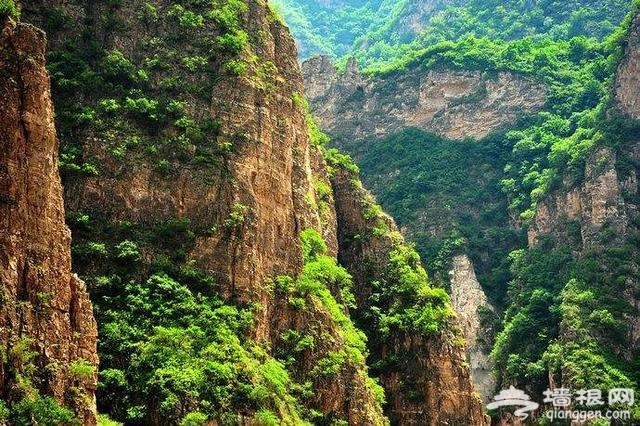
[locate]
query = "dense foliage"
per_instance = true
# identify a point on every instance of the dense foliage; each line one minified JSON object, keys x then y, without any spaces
{"x":8,"y":8}
{"x":169,"y":346}
{"x":563,"y":314}
{"x":172,"y":349}
{"x":377,"y":31}
{"x":445,"y":192}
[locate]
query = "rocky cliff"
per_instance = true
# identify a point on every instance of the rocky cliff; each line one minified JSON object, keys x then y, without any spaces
{"x":590,"y":224}
{"x":599,"y":210}
{"x":204,"y":221}
{"x":455,"y":104}
{"x":628,"y":74}
{"x":416,"y":346}
{"x":47,"y":330}
{"x":470,"y":302}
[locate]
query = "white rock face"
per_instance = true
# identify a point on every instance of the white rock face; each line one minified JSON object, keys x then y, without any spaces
{"x":466,"y":296}
{"x":455,"y":104}
{"x":627,"y":87}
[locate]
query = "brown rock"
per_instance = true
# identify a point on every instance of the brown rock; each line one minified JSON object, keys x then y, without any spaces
{"x":428,"y":383}
{"x":455,"y":104}
{"x":43,"y":303}
{"x":466,"y":297}
{"x":627,"y":85}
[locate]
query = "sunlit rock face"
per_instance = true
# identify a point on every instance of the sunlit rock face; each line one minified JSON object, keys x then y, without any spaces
{"x":44,"y":308}
{"x":455,"y":104}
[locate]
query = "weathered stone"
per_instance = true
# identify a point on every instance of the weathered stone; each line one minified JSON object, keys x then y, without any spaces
{"x":42,"y":302}
{"x":432,"y":365}
{"x":455,"y":104}
{"x":467,"y":297}
{"x":627,"y":85}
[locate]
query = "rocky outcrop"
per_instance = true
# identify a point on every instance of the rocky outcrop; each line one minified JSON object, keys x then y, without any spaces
{"x":45,"y":309}
{"x":239,"y":173}
{"x":254,"y":197}
{"x":467,"y":299}
{"x":455,"y":104}
{"x":627,"y":84}
{"x":591,"y":205}
{"x":423,"y":373}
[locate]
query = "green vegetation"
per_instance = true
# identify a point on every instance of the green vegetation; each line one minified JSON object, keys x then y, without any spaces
{"x":40,"y":410}
{"x":104,"y":420}
{"x":27,"y":405}
{"x":445,"y":192}
{"x":136,"y":104}
{"x":8,"y":8}
{"x":561,"y":302}
{"x":320,"y":274}
{"x":172,"y":347}
{"x":565,"y":316}
{"x":402,"y":297}
{"x":168,"y":343}
{"x":376,"y":31}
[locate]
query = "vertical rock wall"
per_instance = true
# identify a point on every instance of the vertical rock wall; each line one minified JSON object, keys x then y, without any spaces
{"x":44,"y":308}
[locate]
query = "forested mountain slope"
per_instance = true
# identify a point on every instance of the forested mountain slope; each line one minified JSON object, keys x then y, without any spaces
{"x":543,"y":199}
{"x":379,"y":31}
{"x":208,"y":217}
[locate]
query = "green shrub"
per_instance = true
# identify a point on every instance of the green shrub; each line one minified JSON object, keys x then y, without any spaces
{"x":38,"y":410}
{"x":127,"y":250}
{"x":194,"y":63}
{"x":110,"y":106}
{"x":313,"y":244}
{"x":8,"y":8}
{"x":237,"y":67}
{"x":81,"y":368}
{"x":104,"y":420}
{"x":194,"y":418}
{"x":4,"y":412}
{"x":266,"y":417}
{"x":142,"y":108}
{"x":90,"y":250}
{"x":117,"y":68}
{"x":330,"y":365}
{"x":233,"y":43}
{"x":237,"y":216}
{"x":186,"y":18}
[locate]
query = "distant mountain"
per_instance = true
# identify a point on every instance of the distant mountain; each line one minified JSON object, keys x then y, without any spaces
{"x":381,"y":30}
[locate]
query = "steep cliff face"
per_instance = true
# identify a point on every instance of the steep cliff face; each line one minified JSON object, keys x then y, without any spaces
{"x":47,"y":330}
{"x":583,"y":245}
{"x":600,"y":211}
{"x":452,"y":104}
{"x":204,"y":224}
{"x":628,"y":74}
{"x":596,"y":203}
{"x":416,"y":346}
{"x":194,"y":174}
{"x":470,"y":303}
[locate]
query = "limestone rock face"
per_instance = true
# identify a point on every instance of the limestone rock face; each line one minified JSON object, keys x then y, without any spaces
{"x":44,"y":307}
{"x":466,"y":297}
{"x":627,"y":86}
{"x":450,"y":103}
{"x":427,"y":382}
{"x":604,"y":212}
{"x":598,"y":201}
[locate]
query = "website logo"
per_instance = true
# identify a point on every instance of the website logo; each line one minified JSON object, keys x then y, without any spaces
{"x":515,"y":398}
